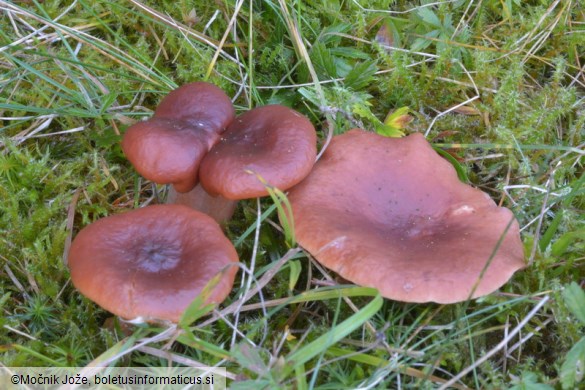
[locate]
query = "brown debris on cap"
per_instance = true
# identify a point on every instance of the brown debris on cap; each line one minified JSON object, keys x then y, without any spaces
{"x":274,"y":142}
{"x":391,"y":214}
{"x":169,"y":147}
{"x":151,"y":263}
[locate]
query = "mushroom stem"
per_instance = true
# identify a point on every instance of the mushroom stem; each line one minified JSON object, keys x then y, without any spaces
{"x":217,"y":207}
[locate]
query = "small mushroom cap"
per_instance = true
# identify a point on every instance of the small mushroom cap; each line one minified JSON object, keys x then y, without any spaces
{"x":391,"y":214}
{"x":274,"y":142}
{"x":167,"y":151}
{"x":152,"y":262}
{"x":201,"y":103}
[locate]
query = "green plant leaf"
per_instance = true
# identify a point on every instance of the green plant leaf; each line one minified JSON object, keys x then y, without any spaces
{"x":4,"y":298}
{"x":324,"y":61}
{"x":350,"y":52}
{"x":361,"y":75}
{"x":252,"y":227}
{"x":573,"y":367}
{"x":394,"y":119}
{"x":529,"y":381}
{"x":388,"y":131}
{"x":250,"y":358}
{"x":322,"y":294}
{"x":428,"y":16}
{"x":295,"y":272}
{"x":310,"y":95}
{"x":575,"y":300}
{"x":561,"y":245}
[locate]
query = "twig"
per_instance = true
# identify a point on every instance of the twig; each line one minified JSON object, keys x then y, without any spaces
{"x":448,"y":111}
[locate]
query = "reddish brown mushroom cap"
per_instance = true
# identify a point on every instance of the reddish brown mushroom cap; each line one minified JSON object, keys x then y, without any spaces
{"x":199,"y":102}
{"x":169,"y":147}
{"x":152,"y":262}
{"x":167,"y":151}
{"x":391,"y":214}
{"x":275,"y":142}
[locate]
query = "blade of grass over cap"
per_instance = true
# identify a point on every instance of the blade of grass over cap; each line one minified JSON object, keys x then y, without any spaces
{"x":284,"y":212}
{"x":198,"y":307}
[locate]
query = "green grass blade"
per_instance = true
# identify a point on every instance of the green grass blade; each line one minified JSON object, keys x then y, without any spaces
{"x":190,"y":340}
{"x":51,"y":362}
{"x":252,"y":227}
{"x":554,"y":225}
{"x":333,"y":293}
{"x":461,"y":173}
{"x":320,"y":345}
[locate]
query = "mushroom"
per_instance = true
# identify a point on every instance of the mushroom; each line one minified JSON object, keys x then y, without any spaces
{"x":273,"y":142}
{"x":391,"y":214}
{"x":167,"y":151}
{"x":151,"y":263}
{"x":202,"y":104}
{"x":168,"y":147}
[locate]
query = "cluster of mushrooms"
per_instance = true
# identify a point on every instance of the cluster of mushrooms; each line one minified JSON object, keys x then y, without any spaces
{"x":381,"y":212}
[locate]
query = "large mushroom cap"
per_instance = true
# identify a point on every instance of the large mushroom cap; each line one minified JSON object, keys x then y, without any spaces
{"x":152,"y":262}
{"x":275,"y":142}
{"x":391,"y":214}
{"x":168,"y":147}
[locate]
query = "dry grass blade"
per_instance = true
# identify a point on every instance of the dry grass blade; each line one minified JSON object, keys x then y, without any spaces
{"x":70,"y":219}
{"x":390,"y":350}
{"x":167,"y":334}
{"x":183,"y":29}
{"x":107,"y":49}
{"x":264,"y":280}
{"x":498,"y":347}
{"x":448,"y":111}
{"x":543,"y":209}
{"x":302,"y":52}
{"x":250,"y":273}
{"x":180,"y":359}
{"x":220,"y":44}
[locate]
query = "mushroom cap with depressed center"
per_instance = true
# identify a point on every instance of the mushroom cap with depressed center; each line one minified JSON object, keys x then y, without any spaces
{"x":390,"y":213}
{"x":273,"y":142}
{"x":151,"y":263}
